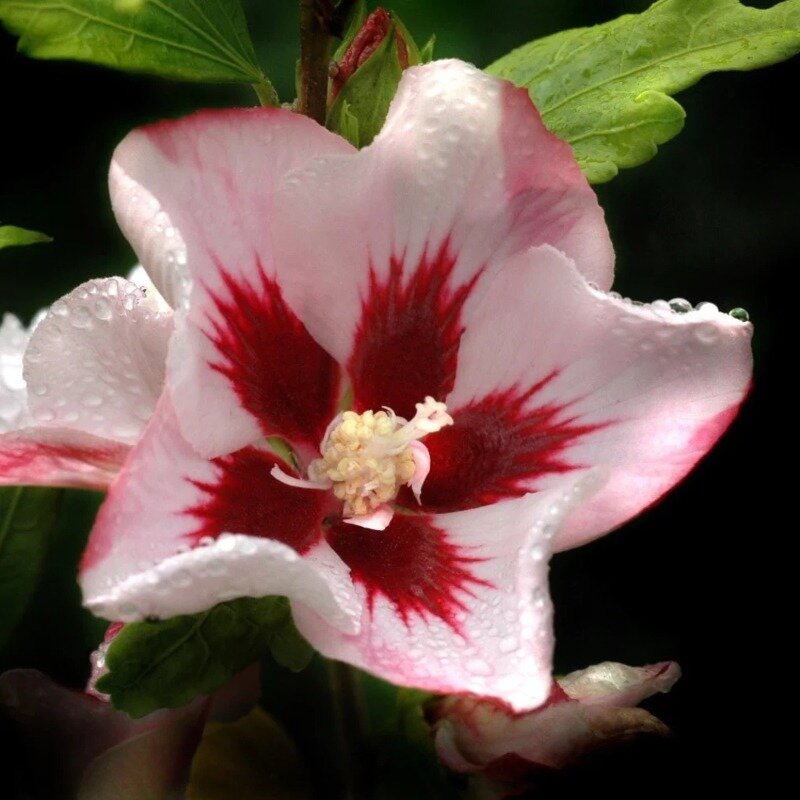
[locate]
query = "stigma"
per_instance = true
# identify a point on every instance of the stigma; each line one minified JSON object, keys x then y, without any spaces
{"x":368,"y":457}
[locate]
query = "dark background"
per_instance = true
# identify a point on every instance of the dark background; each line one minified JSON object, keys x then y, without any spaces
{"x":713,"y":217}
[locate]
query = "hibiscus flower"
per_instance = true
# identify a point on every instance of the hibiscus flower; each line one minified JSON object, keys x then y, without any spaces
{"x":395,"y":373}
{"x":77,"y":389}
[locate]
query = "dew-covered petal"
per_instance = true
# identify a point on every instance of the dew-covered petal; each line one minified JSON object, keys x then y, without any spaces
{"x":138,"y":277}
{"x":453,"y":602}
{"x":611,"y":684}
{"x":195,"y":198}
{"x":13,"y":397}
{"x":96,"y":362}
{"x":178,"y":534}
{"x":379,"y":253}
{"x":556,"y":377}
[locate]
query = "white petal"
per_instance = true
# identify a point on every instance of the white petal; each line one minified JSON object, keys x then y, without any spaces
{"x":96,"y":362}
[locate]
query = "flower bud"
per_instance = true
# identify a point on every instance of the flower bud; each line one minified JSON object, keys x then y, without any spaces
{"x":366,"y":74}
{"x":376,"y":27}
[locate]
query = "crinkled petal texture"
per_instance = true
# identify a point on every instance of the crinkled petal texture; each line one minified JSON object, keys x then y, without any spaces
{"x":589,"y":708}
{"x":574,"y":379}
{"x":614,"y":685}
{"x":195,"y":198}
{"x":92,"y":371}
{"x":380,"y":252}
{"x":454,"y":602}
{"x":225,"y":528}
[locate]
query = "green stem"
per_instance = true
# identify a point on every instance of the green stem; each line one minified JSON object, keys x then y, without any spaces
{"x":314,"y":62}
{"x":267,"y":95}
{"x":351,"y":720}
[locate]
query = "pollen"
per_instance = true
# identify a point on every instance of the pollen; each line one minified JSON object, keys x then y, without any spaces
{"x":367,"y":457}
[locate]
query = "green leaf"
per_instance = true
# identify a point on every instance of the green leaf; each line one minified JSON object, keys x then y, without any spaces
{"x":426,"y":53}
{"x":606,"y":90}
{"x":289,"y":648}
{"x":360,"y":108}
{"x":12,"y":236}
{"x":166,"y":664}
{"x":348,"y":124}
{"x":197,"y":40}
{"x":27,"y":517}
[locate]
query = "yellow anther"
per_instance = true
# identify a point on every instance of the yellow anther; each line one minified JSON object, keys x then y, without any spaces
{"x":368,"y":456}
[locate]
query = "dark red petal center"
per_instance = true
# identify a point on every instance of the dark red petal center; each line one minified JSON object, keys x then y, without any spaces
{"x":496,"y":449}
{"x":247,"y":499}
{"x":280,"y":374}
{"x":411,"y":564}
{"x":406,"y":343}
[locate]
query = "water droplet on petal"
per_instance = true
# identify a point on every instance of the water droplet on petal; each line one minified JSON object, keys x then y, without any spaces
{"x":707,"y":308}
{"x":707,"y":333}
{"x":477,"y":666}
{"x":125,"y":430}
{"x":81,"y":317}
{"x":737,"y":313}
{"x":182,"y":579}
{"x":661,"y":306}
{"x":92,"y":400}
{"x":508,"y":644}
{"x":249,"y":546}
{"x":537,"y":552}
{"x":102,"y":309}
{"x":680,"y":305}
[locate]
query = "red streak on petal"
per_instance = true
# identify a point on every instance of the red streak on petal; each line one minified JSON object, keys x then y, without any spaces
{"x":406,"y":344}
{"x":280,"y":374}
{"x":27,"y":461}
{"x":411,"y":564}
{"x":707,"y":435}
{"x":247,"y":499}
{"x":496,"y":447}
